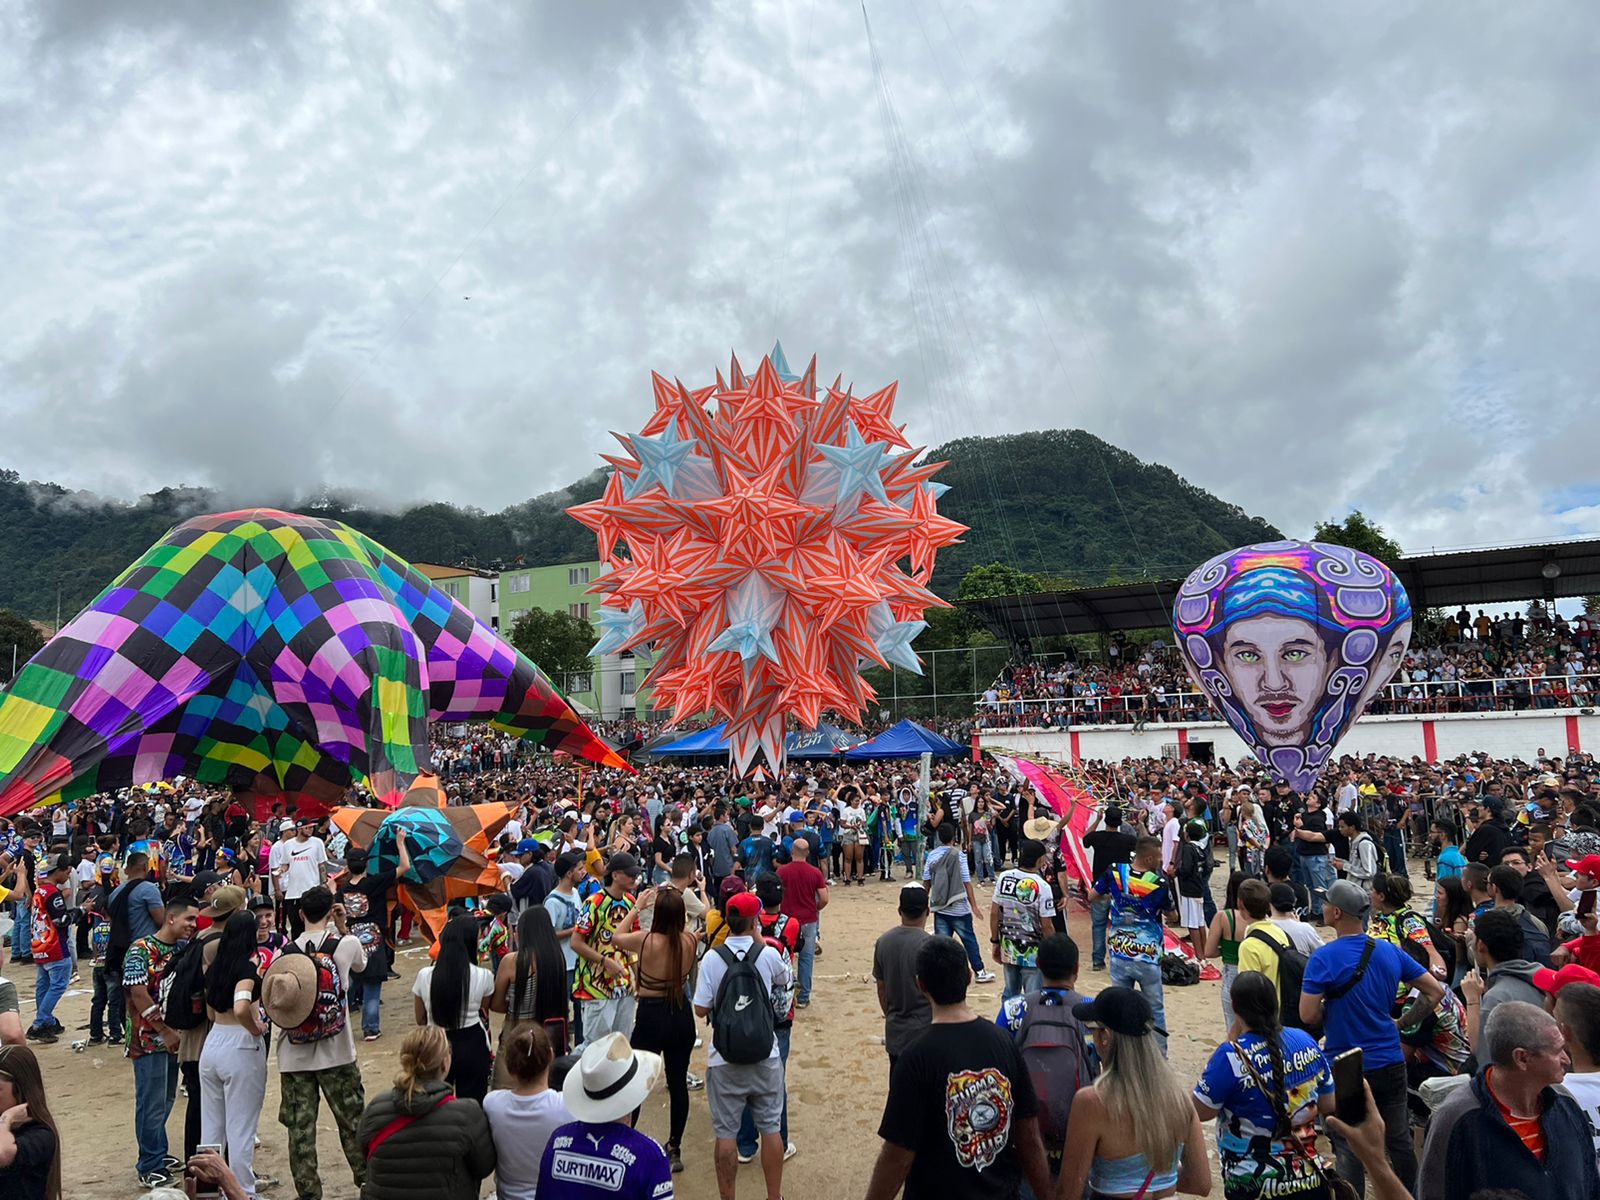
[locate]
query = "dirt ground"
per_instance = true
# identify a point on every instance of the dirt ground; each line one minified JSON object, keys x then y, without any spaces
{"x":838,"y":1075}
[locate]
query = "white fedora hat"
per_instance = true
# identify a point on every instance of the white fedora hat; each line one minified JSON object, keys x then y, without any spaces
{"x":611,"y":1080}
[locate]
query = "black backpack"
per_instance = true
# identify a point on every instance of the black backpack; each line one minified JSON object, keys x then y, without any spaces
{"x":742,"y":1022}
{"x":1291,"y":976}
{"x":183,"y":985}
{"x":121,"y":935}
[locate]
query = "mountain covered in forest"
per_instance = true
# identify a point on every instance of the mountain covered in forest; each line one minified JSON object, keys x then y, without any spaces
{"x":1058,"y":503}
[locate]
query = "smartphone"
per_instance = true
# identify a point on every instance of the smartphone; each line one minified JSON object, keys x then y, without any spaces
{"x":1586,"y":901}
{"x":205,"y":1191}
{"x":1350,"y":1101}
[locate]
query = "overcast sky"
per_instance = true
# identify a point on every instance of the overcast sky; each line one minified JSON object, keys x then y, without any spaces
{"x":1311,"y":258}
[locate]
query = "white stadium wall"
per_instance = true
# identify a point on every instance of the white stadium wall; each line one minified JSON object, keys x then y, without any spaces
{"x":1431,"y":738}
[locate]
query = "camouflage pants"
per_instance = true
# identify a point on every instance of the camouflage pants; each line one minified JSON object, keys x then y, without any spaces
{"x":297,"y":1112}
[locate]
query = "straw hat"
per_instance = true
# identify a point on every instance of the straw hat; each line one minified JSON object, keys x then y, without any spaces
{"x":610,"y":1080}
{"x":225,"y":901}
{"x":1039,"y":829}
{"x":289,"y":990}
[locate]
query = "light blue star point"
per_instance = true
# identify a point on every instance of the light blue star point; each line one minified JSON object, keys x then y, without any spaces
{"x":660,"y":458}
{"x":859,"y":464}
{"x":618,"y":626}
{"x":893,"y":638}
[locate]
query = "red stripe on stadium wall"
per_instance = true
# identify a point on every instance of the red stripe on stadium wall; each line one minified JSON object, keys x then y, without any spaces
{"x":1077,"y":753}
{"x":1430,"y":743}
{"x":1574,"y":738}
{"x":1183,"y":744}
{"x":977,"y":755}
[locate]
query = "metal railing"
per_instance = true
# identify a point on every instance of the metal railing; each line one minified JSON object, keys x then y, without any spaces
{"x":1529,"y":694}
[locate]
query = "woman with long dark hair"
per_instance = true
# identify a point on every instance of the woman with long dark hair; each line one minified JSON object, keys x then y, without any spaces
{"x":1452,"y":913}
{"x":452,"y":994}
{"x":30,"y":1143}
{"x":1266,"y":1089}
{"x":233,"y":1063}
{"x":530,"y":987}
{"x":664,"y":1022}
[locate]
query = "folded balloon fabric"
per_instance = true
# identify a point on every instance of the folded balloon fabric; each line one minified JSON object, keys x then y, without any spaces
{"x":273,"y":653}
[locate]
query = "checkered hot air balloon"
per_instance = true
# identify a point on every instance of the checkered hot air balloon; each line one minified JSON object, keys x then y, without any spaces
{"x":270,"y":652}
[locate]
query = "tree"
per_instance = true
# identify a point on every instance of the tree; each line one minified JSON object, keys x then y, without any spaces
{"x":20,"y":640}
{"x":1358,"y":533}
{"x":557,"y":641}
{"x":999,"y":579}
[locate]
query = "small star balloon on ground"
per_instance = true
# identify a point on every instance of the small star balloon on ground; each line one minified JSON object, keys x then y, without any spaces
{"x":767,"y":539}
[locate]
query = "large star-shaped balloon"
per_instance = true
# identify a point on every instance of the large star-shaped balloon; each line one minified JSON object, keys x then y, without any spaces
{"x":761,"y":593}
{"x":448,"y":847}
{"x":273,"y":653}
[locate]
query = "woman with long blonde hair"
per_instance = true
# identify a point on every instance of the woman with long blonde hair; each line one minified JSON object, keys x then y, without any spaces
{"x":419,"y":1139}
{"x":1134,"y":1131}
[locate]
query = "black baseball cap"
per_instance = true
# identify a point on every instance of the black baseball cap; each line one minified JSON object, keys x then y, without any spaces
{"x":1121,"y":1010}
{"x":622,"y":863}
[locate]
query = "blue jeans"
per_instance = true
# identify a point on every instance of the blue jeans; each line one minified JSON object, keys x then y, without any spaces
{"x":50,"y":985}
{"x":1099,"y":919}
{"x":155,"y":1086}
{"x":982,"y":860}
{"x":961,"y":927}
{"x":22,"y":929}
{"x":1316,"y":872}
{"x":748,"y":1142}
{"x":368,"y":995}
{"x":1394,"y":849}
{"x":1019,"y":980}
{"x":1146,"y":976}
{"x":808,"y":956}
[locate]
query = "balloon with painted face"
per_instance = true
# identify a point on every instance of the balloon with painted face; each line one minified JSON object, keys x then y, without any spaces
{"x":1290,"y":641}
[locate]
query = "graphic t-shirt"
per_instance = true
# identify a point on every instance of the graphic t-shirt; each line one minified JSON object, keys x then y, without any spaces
{"x":1441,"y":1036}
{"x":1026,"y":905}
{"x":49,"y":909}
{"x":597,"y":922}
{"x":956,"y":1095}
{"x":366,"y":914}
{"x":757,"y":852}
{"x":145,"y":964}
{"x":603,"y":1162}
{"x":1585,"y":1089}
{"x":1255,"y":1161}
{"x":1137,"y":902}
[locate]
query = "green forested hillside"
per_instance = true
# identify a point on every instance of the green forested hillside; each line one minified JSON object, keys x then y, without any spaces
{"x":1039,"y":501}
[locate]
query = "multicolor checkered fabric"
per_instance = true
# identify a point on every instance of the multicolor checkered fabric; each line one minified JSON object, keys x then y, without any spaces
{"x":269,"y":651}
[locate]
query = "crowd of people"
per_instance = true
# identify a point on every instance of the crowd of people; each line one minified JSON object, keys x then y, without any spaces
{"x":641,"y":914}
{"x":1462,"y":663}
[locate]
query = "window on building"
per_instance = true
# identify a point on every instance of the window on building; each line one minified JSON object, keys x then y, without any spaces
{"x":577,"y":575}
{"x":494,"y":622}
{"x":521,"y":583}
{"x":452,"y":588}
{"x":494,"y":592}
{"x":628,"y":683}
{"x":579,"y":682}
{"x":581,"y":611}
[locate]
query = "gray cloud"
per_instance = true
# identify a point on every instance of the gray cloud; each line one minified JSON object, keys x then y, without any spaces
{"x":422,"y":254}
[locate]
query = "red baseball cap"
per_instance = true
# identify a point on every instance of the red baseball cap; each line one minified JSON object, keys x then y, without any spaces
{"x":1588,"y":865}
{"x":745,"y":904}
{"x":1550,"y":981}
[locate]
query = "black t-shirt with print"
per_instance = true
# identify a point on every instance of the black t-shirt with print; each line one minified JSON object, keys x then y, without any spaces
{"x":366,"y":908}
{"x":958,"y":1095}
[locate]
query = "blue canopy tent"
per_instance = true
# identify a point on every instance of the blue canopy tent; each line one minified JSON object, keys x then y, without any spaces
{"x":907,"y":740}
{"x":703,"y":743}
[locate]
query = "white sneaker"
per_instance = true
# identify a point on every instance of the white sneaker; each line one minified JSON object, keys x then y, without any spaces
{"x":985,"y":976}
{"x":747,"y":1158}
{"x":790,"y":1151}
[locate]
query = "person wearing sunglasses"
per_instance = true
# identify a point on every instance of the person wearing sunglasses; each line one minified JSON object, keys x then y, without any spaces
{"x":30,"y":1145}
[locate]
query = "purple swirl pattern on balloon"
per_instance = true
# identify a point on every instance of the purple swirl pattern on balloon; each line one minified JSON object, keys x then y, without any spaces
{"x":1357,"y":608}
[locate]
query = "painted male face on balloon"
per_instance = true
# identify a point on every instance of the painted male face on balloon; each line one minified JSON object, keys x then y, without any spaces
{"x":1290,"y":640}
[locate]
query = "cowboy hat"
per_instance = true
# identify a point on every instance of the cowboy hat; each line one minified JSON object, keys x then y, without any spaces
{"x":610,"y":1080}
{"x":1040,"y":828}
{"x":289,"y":990}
